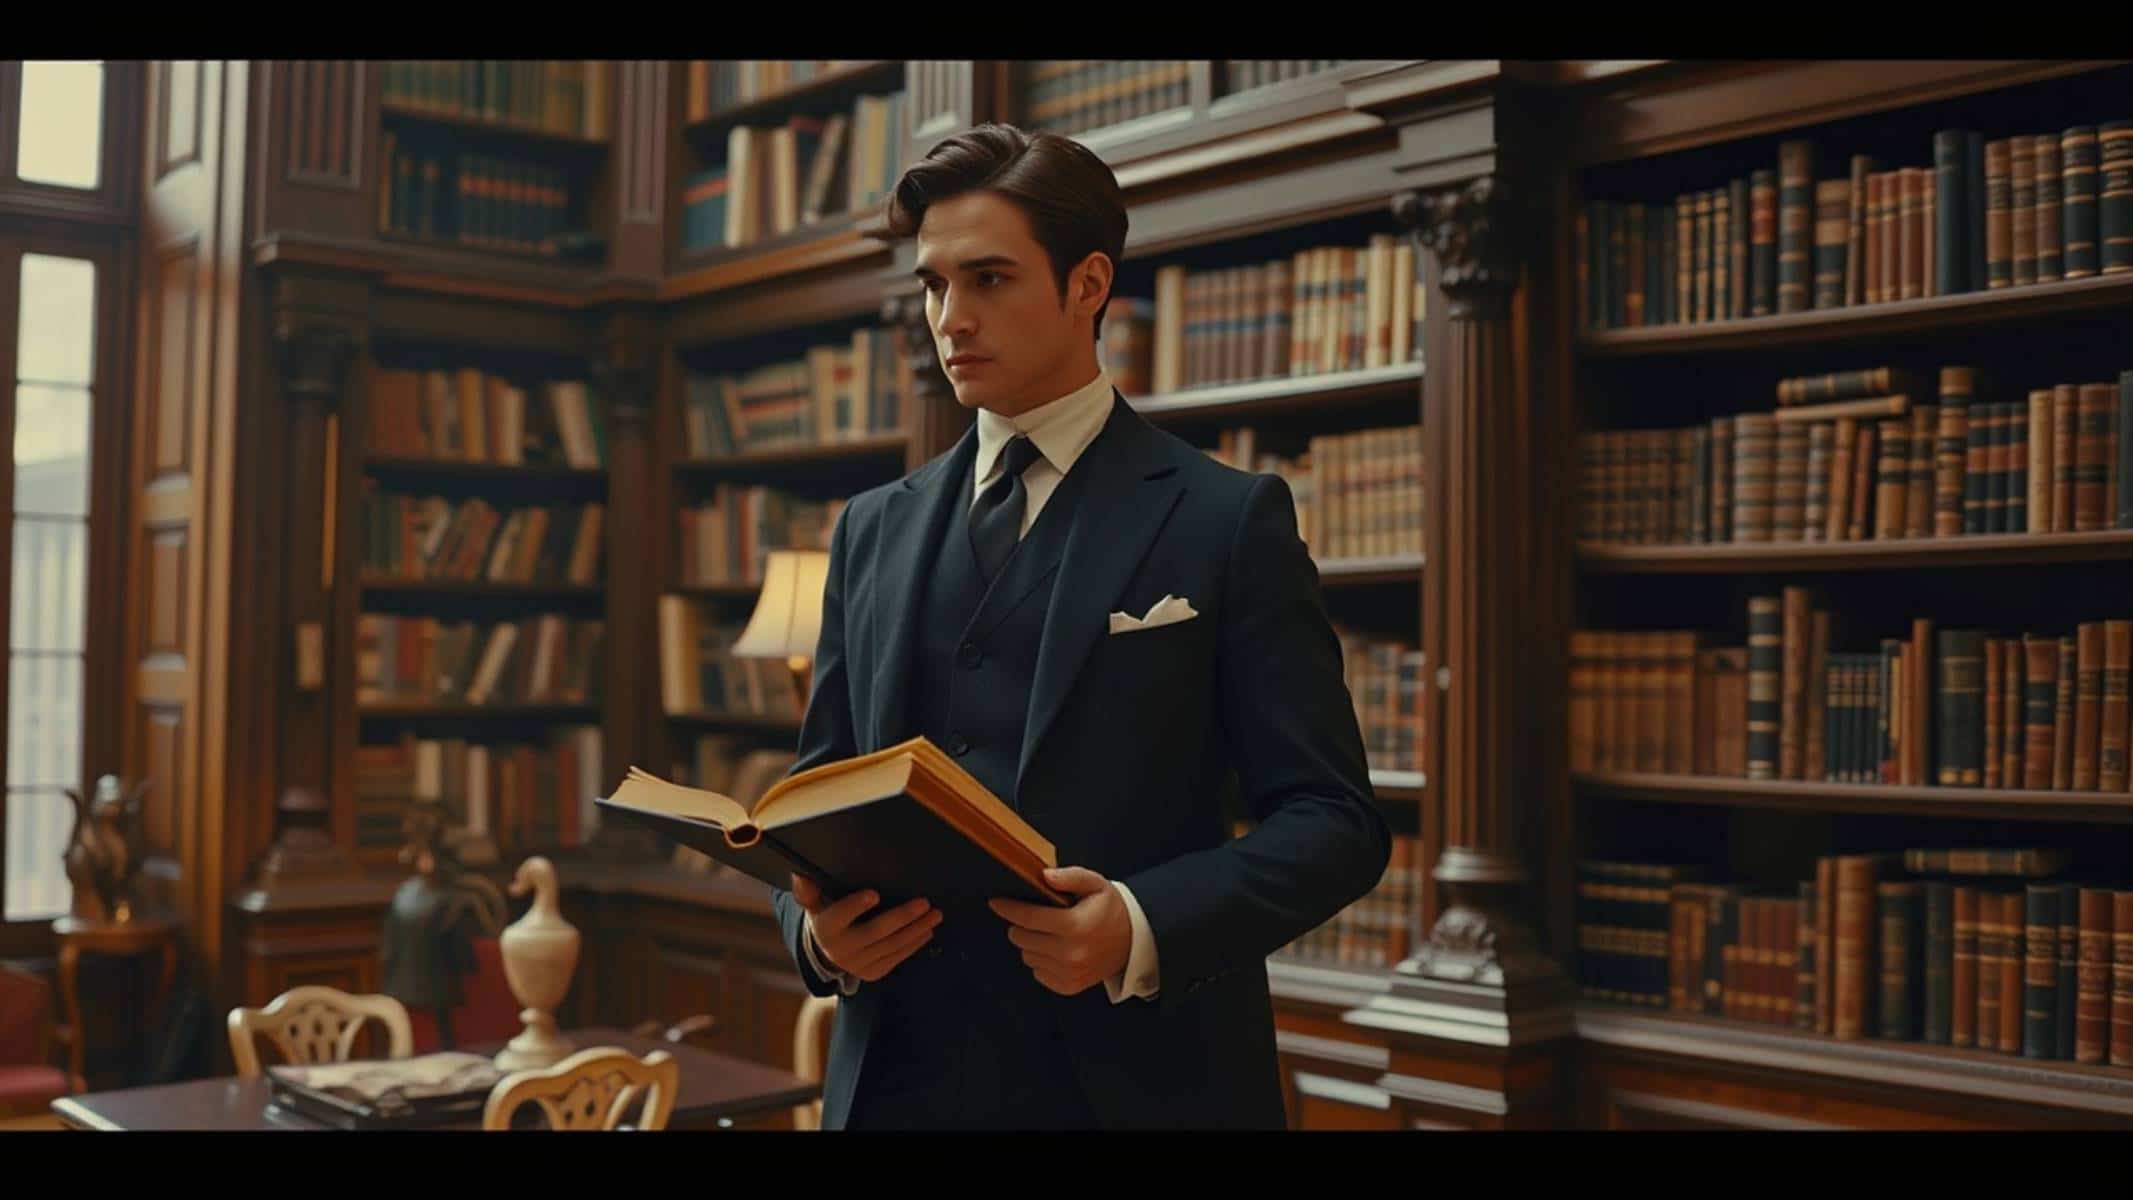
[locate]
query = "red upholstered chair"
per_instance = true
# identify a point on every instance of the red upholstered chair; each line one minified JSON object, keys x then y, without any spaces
{"x":28,"y":1080}
{"x":487,"y":1010}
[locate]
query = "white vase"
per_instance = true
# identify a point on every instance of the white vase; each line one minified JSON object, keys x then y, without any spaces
{"x":540,"y":953}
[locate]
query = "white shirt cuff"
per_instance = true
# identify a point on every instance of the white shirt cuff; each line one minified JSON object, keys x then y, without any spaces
{"x":1140,"y":979}
{"x":846,"y":983}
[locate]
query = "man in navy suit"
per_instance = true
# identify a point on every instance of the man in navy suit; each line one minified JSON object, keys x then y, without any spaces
{"x":1113,"y":632}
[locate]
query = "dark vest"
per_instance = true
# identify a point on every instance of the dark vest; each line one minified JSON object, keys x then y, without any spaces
{"x":964,"y":1016}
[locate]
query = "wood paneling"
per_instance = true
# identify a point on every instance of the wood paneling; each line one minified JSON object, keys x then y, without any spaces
{"x":177,"y":116}
{"x":322,"y":108}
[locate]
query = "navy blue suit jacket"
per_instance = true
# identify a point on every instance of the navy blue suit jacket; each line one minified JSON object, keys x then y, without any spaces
{"x":1132,"y":742}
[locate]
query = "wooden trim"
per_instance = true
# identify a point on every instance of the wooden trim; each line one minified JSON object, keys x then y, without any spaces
{"x":1255,"y":144}
{"x":807,"y":454}
{"x":749,"y":721}
{"x":1728,"y":101}
{"x":1939,"y":1069}
{"x":1359,"y":572}
{"x":378,"y":586}
{"x":1229,"y":401}
{"x":832,"y":242}
{"x":854,"y":77}
{"x":1704,"y":1113}
{"x":1805,"y":796}
{"x":1935,"y":315}
{"x":419,"y":711}
{"x":1969,"y":550}
{"x":508,"y":131}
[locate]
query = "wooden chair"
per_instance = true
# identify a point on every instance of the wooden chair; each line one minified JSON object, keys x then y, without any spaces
{"x":810,"y":1046}
{"x":314,"y":1024}
{"x":592,"y":1089}
{"x":29,"y":1079}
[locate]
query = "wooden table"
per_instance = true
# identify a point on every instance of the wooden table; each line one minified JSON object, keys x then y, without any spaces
{"x":716,"y":1090}
{"x":76,"y":937}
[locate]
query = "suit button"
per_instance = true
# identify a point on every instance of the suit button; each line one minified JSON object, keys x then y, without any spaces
{"x":969,"y":656}
{"x":958,"y":745}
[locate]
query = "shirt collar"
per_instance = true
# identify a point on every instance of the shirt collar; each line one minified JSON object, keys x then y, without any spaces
{"x":1061,"y":429}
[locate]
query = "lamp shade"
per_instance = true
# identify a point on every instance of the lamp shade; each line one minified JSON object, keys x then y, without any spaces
{"x":788,"y":612}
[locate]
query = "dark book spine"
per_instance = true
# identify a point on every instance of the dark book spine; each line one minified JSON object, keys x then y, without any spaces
{"x":1832,"y":224}
{"x":2094,"y":457}
{"x":1977,"y":468}
{"x":2114,"y":202}
{"x":1765,"y":672}
{"x":1961,"y":701}
{"x":2051,"y":253}
{"x":2121,"y":1007}
{"x":1918,"y":504}
{"x":1898,"y":974}
{"x":2077,"y":212}
{"x":1974,"y":211}
{"x":2069,"y":960}
{"x":1591,"y":237}
{"x":1951,"y":453}
{"x":1669,"y":265}
{"x":1762,"y":242}
{"x":1855,"y":198}
{"x":1999,"y":213}
{"x":1604,"y":237}
{"x":2022,"y":208}
{"x":2040,"y":694}
{"x":1963,"y":1016}
{"x":1939,"y":962}
{"x":1950,"y":262}
{"x":2015,"y":433}
{"x":1796,"y":200}
{"x":1737,"y":241}
{"x":2125,"y":450}
{"x":2094,"y":967}
{"x":2040,"y":975}
{"x":1805,"y":960}
{"x":2063,"y":716}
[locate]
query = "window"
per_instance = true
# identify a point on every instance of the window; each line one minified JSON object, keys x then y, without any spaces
{"x":65,"y":228}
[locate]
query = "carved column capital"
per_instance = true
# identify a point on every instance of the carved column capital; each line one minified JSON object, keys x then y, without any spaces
{"x":311,"y":357}
{"x":1472,"y":231}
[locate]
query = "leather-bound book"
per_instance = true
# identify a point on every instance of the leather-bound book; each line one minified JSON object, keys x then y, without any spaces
{"x":1999,"y":216}
{"x":1762,"y":242}
{"x":1951,"y":457}
{"x":2022,"y":208}
{"x":2077,"y":213}
{"x":1788,"y":509}
{"x":1963,"y":972}
{"x":1939,"y":965}
{"x":2093,"y":455}
{"x":2069,"y":958}
{"x":2040,"y":970}
{"x":2066,"y":460}
{"x":2092,"y":976}
{"x":1995,"y":672}
{"x":2051,"y":254}
{"x":1825,"y":980}
{"x":2088,"y":703}
{"x":1796,"y":616}
{"x":2122,"y":978}
{"x":2040,"y":695}
{"x":1805,"y":968}
{"x":1832,"y":226}
{"x":1766,"y":630}
{"x":2014,"y":434}
{"x":1991,"y":945}
{"x":1950,"y":262}
{"x":1795,"y":235}
{"x":2114,"y":198}
{"x":1893,"y":482}
{"x":2111,"y":738}
{"x":2122,"y":517}
{"x":1754,"y":477}
{"x":1918,"y":503}
{"x":2063,"y":718}
{"x":2040,"y":474}
{"x":1821,"y":452}
{"x":2013,"y":948}
{"x":1722,"y":469}
{"x":1858,"y":526}
{"x":1814,"y":720}
{"x":1857,"y":964}
{"x":1900,"y":974}
{"x":2011,"y":731}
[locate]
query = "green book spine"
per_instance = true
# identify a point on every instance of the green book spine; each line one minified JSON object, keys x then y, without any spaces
{"x":2077,"y":201}
{"x":1795,"y":225}
{"x":1940,"y":962}
{"x":1896,"y":902}
{"x":2069,"y":969}
{"x":2114,"y":203}
{"x":2040,"y":971}
{"x":1951,"y":262}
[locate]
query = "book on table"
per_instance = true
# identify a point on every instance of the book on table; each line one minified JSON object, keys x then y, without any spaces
{"x":905,"y":821}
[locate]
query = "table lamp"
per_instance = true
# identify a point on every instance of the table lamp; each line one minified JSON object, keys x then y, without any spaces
{"x":788,"y":614}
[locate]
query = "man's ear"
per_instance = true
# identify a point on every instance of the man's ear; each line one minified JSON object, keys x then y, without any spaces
{"x":1090,"y":284}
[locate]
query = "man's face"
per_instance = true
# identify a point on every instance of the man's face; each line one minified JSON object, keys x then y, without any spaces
{"x":1007,"y":340}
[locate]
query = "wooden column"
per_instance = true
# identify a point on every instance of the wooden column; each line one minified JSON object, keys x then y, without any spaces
{"x":936,"y":420}
{"x":313,"y":360}
{"x":1479,"y":1011}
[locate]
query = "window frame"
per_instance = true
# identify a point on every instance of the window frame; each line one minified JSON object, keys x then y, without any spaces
{"x":100,"y":226}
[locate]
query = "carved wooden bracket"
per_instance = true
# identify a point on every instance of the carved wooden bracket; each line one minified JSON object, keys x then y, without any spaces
{"x":1472,"y":231}
{"x":312,"y":357}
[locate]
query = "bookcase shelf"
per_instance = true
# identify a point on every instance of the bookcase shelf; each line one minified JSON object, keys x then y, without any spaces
{"x":481,"y":588}
{"x":1973,"y":550}
{"x":743,"y":721}
{"x":833,"y":241}
{"x":1362,"y":572}
{"x":478,"y":712}
{"x":1263,"y":396}
{"x":1867,"y":323}
{"x":1813,"y":796}
{"x":882,"y":446}
{"x":1399,"y":785}
{"x":839,"y":82}
{"x":442,"y":469}
{"x":502,"y":133}
{"x":1942,"y":1069}
{"x":718,"y":591}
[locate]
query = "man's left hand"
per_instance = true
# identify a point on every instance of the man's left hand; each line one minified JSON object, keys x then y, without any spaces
{"x":1072,"y":949}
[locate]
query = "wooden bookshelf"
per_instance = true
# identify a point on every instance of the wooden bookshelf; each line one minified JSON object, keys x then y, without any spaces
{"x":1894,"y":554}
{"x":1239,"y":401}
{"x":837,"y":83}
{"x":741,"y":721}
{"x":1817,"y":796}
{"x":718,"y":591}
{"x":798,"y":455}
{"x":492,"y":132}
{"x":1403,"y":569}
{"x":447,"y":470}
{"x":419,"y":711}
{"x":1949,"y":316}
{"x":482,"y":588}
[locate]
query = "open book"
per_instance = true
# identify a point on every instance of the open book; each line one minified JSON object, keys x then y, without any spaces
{"x":905,"y":821}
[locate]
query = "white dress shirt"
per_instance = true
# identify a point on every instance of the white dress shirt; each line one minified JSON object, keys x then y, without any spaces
{"x":1061,"y":429}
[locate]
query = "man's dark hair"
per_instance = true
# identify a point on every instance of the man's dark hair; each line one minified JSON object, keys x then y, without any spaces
{"x":1069,"y":195}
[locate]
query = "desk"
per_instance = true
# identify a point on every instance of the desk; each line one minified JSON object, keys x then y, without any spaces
{"x":714,"y":1087}
{"x":77,"y":937}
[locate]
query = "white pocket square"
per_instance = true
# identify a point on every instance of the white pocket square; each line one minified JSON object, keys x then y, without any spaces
{"x":1167,"y":611}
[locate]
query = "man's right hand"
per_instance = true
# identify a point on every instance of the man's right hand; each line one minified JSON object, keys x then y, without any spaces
{"x":869,"y":948}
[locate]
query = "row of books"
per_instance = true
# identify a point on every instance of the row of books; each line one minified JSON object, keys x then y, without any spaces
{"x":699,"y":674}
{"x":717,"y":85}
{"x":1331,"y":308}
{"x":1358,"y":495}
{"x":1378,"y":930}
{"x":472,"y":199}
{"x":1871,"y":468}
{"x":835,"y":393}
{"x":542,"y":659}
{"x":1946,"y":707}
{"x":1071,"y":96}
{"x":572,"y":97}
{"x":1385,"y":680}
{"x":776,"y":179}
{"x":1986,"y":214}
{"x":1951,"y":948}
{"x":431,"y":537}
{"x":1242,"y":75}
{"x":500,"y":798}
{"x":730,"y":539}
{"x":466,"y":414}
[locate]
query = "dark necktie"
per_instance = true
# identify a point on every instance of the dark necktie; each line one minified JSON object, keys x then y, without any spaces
{"x":996,"y":520}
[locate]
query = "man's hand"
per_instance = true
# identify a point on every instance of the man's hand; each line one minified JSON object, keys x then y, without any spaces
{"x":1072,"y":949}
{"x":871,"y":948}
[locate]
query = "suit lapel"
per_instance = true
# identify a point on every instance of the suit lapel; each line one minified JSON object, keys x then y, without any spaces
{"x":911,"y":528}
{"x":1128,"y":495}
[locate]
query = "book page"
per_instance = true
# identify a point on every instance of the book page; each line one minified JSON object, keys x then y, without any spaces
{"x":647,"y":792}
